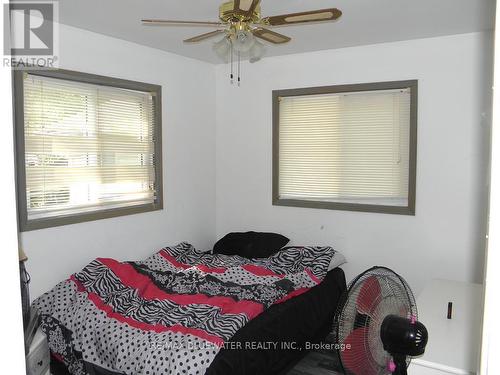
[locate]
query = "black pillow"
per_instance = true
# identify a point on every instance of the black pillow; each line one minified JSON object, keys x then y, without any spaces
{"x":250,"y":244}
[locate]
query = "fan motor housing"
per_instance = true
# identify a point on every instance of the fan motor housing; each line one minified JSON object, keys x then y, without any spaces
{"x":402,"y":336}
{"x":227,"y":14}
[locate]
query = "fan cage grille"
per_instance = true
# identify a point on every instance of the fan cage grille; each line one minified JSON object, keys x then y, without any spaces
{"x":395,"y":298}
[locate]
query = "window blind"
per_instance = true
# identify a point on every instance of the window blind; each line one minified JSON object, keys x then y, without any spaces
{"x":345,"y":147}
{"x":87,"y":147}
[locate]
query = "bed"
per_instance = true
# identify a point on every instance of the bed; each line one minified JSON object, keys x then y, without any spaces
{"x":96,"y":325}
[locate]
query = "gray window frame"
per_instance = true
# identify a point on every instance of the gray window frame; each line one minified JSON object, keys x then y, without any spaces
{"x":18,"y":96}
{"x":401,"y":210}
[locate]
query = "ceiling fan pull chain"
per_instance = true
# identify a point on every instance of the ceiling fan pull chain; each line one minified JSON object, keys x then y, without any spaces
{"x":231,"y":76}
{"x":239,"y":69}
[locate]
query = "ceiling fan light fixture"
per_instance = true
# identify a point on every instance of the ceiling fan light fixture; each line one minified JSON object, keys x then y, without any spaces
{"x":257,"y":51}
{"x":243,"y":40}
{"x":222,"y":48}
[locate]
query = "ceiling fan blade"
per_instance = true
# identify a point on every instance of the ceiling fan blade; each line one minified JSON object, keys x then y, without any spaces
{"x":201,"y":37}
{"x":303,"y":17}
{"x":270,"y":36}
{"x":246,"y":7}
{"x":180,"y":23}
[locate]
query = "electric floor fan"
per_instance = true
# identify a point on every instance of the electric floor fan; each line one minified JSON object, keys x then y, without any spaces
{"x":376,"y":325}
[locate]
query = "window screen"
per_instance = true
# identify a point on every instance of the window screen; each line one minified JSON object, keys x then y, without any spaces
{"x":350,"y":148}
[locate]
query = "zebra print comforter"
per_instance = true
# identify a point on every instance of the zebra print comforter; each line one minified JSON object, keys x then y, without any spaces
{"x":171,"y":313}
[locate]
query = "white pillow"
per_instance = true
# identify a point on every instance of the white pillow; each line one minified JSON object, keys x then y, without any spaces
{"x":338,"y":259}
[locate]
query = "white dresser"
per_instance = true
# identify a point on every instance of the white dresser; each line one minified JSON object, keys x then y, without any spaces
{"x":453,"y":346}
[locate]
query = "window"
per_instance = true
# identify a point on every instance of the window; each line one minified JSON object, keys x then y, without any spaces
{"x":349,"y":147}
{"x":87,"y":147}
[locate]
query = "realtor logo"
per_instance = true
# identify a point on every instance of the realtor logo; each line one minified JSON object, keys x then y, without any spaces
{"x":30,"y":35}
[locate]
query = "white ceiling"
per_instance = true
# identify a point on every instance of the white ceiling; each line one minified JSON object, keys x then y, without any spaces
{"x":363,"y":22}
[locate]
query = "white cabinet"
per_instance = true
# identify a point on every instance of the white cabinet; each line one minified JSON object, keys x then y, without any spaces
{"x":37,"y":360}
{"x":453,"y":346}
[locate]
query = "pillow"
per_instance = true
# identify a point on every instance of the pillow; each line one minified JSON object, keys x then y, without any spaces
{"x":338,"y":259}
{"x":250,"y":244}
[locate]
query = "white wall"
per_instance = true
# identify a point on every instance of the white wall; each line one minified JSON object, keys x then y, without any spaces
{"x":211,"y":190}
{"x":188,"y":153}
{"x":446,"y":237}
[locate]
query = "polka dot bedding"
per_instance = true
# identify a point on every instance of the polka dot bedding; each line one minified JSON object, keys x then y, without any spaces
{"x":170,"y":313}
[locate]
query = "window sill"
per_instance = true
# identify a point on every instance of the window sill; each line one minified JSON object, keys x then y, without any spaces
{"x":29,"y":225}
{"x":341,"y":206}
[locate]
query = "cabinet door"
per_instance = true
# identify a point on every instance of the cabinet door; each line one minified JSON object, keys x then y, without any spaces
{"x":420,"y":370}
{"x":38,"y":360}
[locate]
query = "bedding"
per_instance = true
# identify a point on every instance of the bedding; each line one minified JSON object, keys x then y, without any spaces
{"x":307,"y":318}
{"x":250,"y":244}
{"x":171,"y":313}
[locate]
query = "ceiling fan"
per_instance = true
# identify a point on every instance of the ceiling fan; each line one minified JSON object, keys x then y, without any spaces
{"x":241,"y":24}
